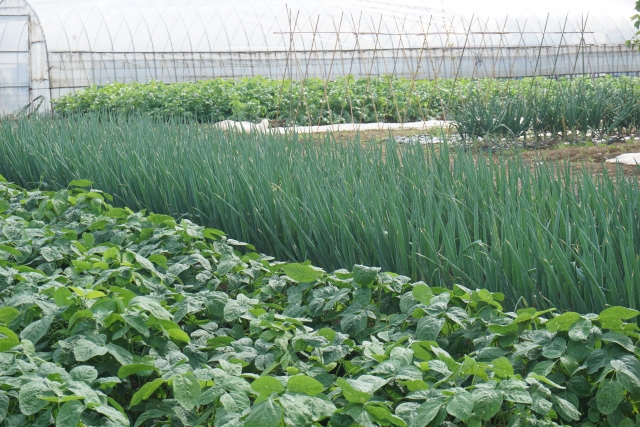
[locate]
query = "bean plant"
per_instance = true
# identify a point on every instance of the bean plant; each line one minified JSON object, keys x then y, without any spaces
{"x":512,"y":108}
{"x":110,"y":317}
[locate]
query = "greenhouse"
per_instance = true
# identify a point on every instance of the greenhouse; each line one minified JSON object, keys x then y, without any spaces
{"x":52,"y":47}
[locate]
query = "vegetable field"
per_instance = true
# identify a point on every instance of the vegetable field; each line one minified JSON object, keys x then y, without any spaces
{"x":112,"y":317}
{"x":543,"y":234}
{"x":507,"y":108}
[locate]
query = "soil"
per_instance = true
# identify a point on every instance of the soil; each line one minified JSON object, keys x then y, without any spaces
{"x":592,"y":158}
{"x":585,"y":155}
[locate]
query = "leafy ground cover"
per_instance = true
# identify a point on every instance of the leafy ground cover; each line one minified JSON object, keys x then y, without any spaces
{"x":543,"y":234}
{"x":509,"y":108}
{"x":111,"y":317}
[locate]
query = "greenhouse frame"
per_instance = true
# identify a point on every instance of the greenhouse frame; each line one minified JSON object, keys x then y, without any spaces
{"x":52,"y":47}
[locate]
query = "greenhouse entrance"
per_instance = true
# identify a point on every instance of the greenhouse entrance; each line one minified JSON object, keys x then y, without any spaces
{"x":14,"y":63}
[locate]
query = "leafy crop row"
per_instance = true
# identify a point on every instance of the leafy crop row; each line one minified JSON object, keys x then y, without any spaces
{"x":545,"y":235}
{"x":111,"y":317}
{"x":480,"y":107}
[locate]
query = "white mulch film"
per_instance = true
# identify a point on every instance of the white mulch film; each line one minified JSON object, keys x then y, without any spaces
{"x":263,"y":126}
{"x":632,"y":159}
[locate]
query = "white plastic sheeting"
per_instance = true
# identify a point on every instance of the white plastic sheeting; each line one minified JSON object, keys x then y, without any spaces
{"x":102,"y":41}
{"x":14,"y":62}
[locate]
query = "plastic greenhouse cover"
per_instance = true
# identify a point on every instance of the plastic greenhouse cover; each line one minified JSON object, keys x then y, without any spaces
{"x":157,"y":26}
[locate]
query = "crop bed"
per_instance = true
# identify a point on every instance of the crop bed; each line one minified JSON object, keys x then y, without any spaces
{"x":507,"y":108}
{"x":538,"y":231}
{"x":111,"y":317}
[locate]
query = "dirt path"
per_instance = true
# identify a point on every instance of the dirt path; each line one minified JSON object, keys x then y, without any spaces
{"x":591,"y":158}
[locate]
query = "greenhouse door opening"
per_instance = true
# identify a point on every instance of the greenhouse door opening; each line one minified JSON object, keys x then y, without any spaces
{"x":14,"y":63}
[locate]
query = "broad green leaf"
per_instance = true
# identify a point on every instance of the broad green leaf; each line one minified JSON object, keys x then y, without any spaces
{"x":161,"y":260}
{"x":4,"y":405}
{"x":487,"y":403}
{"x":426,"y":412}
{"x":610,"y":318}
{"x":85,"y":350}
{"x":149,"y":415}
{"x":95,"y":294}
{"x":111,"y":253}
{"x":36,"y":330}
{"x":151,"y":306}
{"x":266,"y":385}
{"x":29,"y":397}
{"x":233,"y":309}
{"x":565,"y":408}
{"x":474,"y":421}
{"x":265,"y":414}
{"x":304,"y":384}
{"x":186,"y":390}
{"x":134,"y":368}
{"x":178,"y":335}
{"x":609,"y":396}
{"x":353,"y":324}
{"x":422,"y":293}
{"x":580,"y":330}
{"x":384,"y":415}
{"x":429,"y":328}
{"x":628,"y":379}
{"x":364,"y":276}
{"x":122,"y":355}
{"x":10,"y":250}
{"x":502,"y":367}
{"x":80,"y":183}
{"x":63,"y":297}
{"x":562,"y":322}
{"x":351,"y":394}
{"x":159,"y":219}
{"x":620,"y":339}
{"x":8,"y":339}
{"x":84,"y":373}
{"x":145,"y":263}
{"x":461,"y":405}
{"x":80,"y":314}
{"x":515,"y":391}
{"x":118,"y":418}
{"x":69,"y":415}
{"x":210,"y":394}
{"x":146,"y":391}
{"x":302,"y":410}
{"x":301,"y":273}
{"x":216,"y":342}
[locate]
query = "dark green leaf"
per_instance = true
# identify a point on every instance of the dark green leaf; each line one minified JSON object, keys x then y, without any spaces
{"x":364,"y":276}
{"x":69,"y":415}
{"x":487,"y":403}
{"x":351,"y":394}
{"x":265,"y":414}
{"x":461,"y":405}
{"x":426,"y":412}
{"x":146,"y":391}
{"x":609,"y":396}
{"x":186,"y":390}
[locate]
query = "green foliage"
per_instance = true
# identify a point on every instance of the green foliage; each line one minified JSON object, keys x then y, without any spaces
{"x":309,"y":102}
{"x":532,"y":107}
{"x":511,"y":108}
{"x":634,"y":42}
{"x":544,"y":235}
{"x":121,"y":340}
